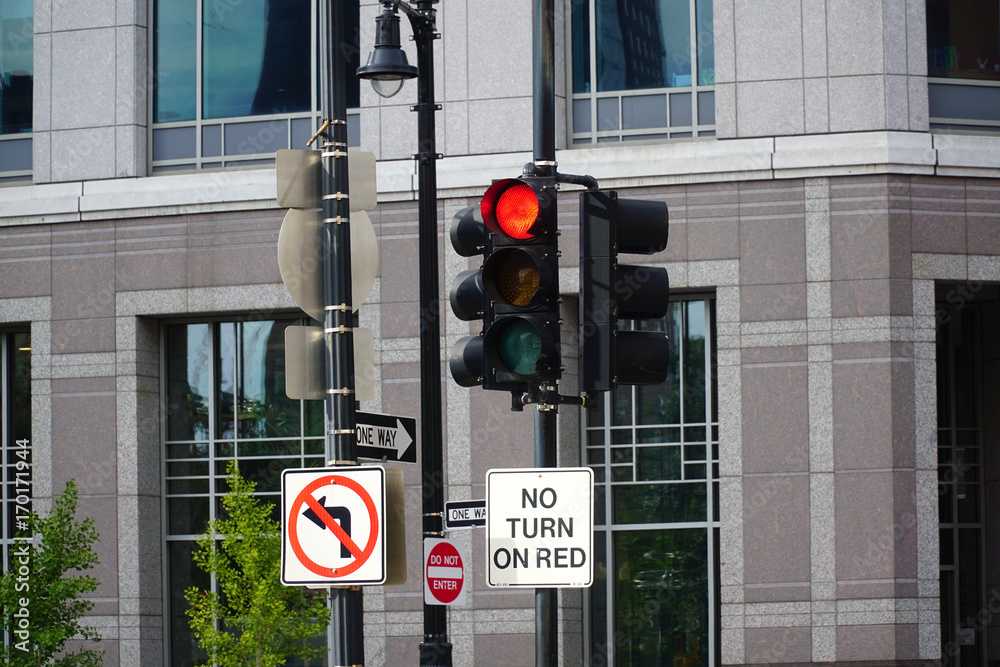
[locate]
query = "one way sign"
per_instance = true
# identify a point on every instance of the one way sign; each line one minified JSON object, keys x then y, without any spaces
{"x":386,"y":436}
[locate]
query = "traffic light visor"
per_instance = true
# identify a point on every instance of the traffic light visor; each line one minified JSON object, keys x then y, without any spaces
{"x":510,"y":207}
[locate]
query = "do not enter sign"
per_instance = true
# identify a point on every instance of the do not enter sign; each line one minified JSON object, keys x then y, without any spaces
{"x":444,"y":572}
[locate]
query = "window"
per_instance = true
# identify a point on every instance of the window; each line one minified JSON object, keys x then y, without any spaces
{"x":642,"y":69}
{"x":968,"y":421}
{"x":654,"y":451}
{"x":234,"y":81}
{"x":963,"y":63}
{"x":16,"y":75}
{"x":15,"y":420}
{"x":224,"y":384}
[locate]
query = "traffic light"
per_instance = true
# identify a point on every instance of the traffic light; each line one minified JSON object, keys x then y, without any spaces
{"x":610,"y":291}
{"x":521,"y":278}
{"x":515,"y":293}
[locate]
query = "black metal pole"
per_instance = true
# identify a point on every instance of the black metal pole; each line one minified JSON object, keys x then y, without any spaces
{"x":543,"y":84}
{"x":546,"y":599}
{"x":543,"y":80}
{"x":346,"y":607}
{"x":435,"y":650}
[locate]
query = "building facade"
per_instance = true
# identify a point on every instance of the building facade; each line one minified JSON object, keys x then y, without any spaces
{"x":813,"y":482}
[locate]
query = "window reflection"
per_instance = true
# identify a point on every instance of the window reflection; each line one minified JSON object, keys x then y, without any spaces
{"x":174,"y":54}
{"x":16,"y":66}
{"x":255,"y":58}
{"x":655,"y":457}
{"x":225,"y":383}
{"x":963,"y":39}
{"x":662,"y":596}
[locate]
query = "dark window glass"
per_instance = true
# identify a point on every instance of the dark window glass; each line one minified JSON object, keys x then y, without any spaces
{"x":188,"y":381}
{"x":705,"y":39}
{"x":16,"y":67}
{"x":255,"y":58}
{"x":174,"y":60}
{"x":963,"y":39}
{"x":660,"y":503}
{"x":662,"y":596}
{"x":581,"y":50}
{"x":225,"y":382}
{"x":184,"y":651}
{"x":642,"y":44}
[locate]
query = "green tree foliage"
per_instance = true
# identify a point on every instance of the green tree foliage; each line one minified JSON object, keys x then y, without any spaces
{"x":41,"y":593}
{"x":254,"y":619}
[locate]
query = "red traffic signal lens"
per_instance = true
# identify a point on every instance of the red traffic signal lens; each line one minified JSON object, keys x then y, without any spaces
{"x":510,"y":207}
{"x":517,"y":211}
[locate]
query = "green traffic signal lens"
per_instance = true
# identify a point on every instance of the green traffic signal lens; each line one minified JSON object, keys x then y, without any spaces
{"x":520,"y":346}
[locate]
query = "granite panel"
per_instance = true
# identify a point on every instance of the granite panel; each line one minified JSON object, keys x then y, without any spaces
{"x":855,"y":38}
{"x":778,"y":645}
{"x":83,"y":287}
{"x":862,"y":415}
{"x":712,"y":239}
{"x":775,"y":418}
{"x":904,"y":524}
{"x":84,"y":441}
{"x":500,"y":125}
{"x":769,"y":303}
{"x":864,"y":525}
{"x":104,"y":512}
{"x":776,"y":529}
{"x":859,"y":244}
{"x":866,"y":642}
{"x":83,"y":82}
{"x":817,"y":105}
{"x":83,"y":335}
{"x":769,"y":108}
{"x":860,"y":298}
{"x":399,"y":260}
{"x":772,"y":251}
{"x":904,"y":419}
{"x":501,"y":438}
{"x":857,"y":103}
{"x":768,"y":40}
{"x":83,"y":154}
{"x":505,"y":650}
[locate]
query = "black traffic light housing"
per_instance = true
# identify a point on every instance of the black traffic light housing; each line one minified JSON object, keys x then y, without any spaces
{"x":515,"y":292}
{"x":521,"y":279}
{"x":610,"y":291}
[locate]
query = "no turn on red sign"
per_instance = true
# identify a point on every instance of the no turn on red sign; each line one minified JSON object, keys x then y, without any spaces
{"x":333,"y":526}
{"x":445,"y":573}
{"x":540,"y":527}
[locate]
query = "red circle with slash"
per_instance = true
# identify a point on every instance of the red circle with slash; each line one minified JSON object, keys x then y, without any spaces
{"x":305,"y":498}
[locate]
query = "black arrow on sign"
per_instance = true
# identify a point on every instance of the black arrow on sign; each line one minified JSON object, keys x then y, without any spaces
{"x":340,"y":514}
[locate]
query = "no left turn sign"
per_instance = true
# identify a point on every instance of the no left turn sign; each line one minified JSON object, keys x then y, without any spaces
{"x":333,"y":526}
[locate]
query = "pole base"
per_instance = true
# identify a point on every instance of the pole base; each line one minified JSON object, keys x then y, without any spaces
{"x":435,"y":654}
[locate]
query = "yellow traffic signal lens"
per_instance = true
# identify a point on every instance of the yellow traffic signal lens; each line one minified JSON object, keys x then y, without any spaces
{"x":518,"y":279}
{"x":517,"y":211}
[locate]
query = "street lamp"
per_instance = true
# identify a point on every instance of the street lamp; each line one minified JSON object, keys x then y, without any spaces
{"x":387,"y":69}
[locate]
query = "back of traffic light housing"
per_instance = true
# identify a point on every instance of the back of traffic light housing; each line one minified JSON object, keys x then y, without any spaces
{"x":610,"y":291}
{"x":517,"y":286}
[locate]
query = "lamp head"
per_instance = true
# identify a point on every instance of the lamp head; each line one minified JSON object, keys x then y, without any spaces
{"x":387,"y":67}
